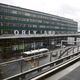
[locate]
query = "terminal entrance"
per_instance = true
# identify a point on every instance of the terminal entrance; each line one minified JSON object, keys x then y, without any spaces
{"x":14,"y":47}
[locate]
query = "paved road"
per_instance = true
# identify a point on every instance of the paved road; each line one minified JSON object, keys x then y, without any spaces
{"x":60,"y":75}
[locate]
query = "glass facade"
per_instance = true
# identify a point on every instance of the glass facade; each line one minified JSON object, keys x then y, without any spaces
{"x":15,"y":18}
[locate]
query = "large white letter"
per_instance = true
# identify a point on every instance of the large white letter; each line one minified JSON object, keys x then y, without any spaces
{"x":16,"y":32}
{"x":23,"y":32}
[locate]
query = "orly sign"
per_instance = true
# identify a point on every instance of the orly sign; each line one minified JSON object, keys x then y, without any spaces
{"x":16,"y":32}
{"x":23,"y":32}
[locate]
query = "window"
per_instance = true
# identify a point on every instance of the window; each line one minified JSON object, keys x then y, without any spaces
{"x":42,"y":26}
{"x":56,"y":27}
{"x":1,"y":9}
{"x":27,"y":14}
{"x":1,"y":24}
{"x":14,"y":11}
{"x":34,"y":26}
{"x":1,"y":16}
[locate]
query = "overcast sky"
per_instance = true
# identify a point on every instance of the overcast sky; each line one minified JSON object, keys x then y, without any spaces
{"x":65,"y":8}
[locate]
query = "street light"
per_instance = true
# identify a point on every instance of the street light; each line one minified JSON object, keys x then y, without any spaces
{"x":22,"y":56}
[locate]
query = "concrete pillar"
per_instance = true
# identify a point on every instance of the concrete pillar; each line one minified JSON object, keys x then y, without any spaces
{"x":50,"y":56}
{"x":73,"y":50}
{"x":75,"y":38}
{"x":77,"y":48}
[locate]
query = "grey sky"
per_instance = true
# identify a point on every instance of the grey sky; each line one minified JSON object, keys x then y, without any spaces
{"x":65,"y":8}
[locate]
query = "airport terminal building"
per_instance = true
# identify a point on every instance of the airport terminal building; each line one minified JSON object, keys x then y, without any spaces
{"x":20,"y":21}
{"x":16,"y":20}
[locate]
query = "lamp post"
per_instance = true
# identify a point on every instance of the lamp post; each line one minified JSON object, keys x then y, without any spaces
{"x":62,"y":45}
{"x":21,"y":55}
{"x":34,"y":54}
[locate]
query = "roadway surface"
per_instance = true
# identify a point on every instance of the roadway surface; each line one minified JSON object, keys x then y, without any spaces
{"x":70,"y":73}
{"x":74,"y":75}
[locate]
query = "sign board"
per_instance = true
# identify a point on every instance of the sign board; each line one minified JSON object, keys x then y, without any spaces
{"x":71,"y":40}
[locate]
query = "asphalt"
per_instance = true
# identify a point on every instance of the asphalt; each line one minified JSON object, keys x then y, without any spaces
{"x":65,"y":73}
{"x":73,"y":75}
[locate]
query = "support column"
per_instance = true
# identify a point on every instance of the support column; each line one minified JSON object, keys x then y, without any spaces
{"x":50,"y":56}
{"x":75,"y":38}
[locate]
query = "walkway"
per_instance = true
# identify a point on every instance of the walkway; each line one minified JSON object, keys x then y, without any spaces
{"x":70,"y":73}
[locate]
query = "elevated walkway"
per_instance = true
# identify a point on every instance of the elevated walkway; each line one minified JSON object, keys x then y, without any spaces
{"x":11,"y":36}
{"x":73,"y":75}
{"x":69,"y":73}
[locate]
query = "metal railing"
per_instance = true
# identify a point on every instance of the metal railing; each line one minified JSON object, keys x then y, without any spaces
{"x":26,"y":75}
